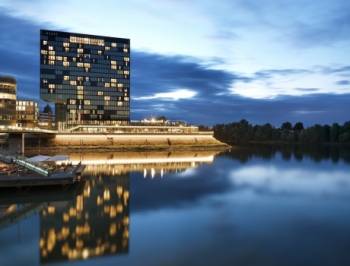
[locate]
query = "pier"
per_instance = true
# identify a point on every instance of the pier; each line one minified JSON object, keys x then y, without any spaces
{"x":34,"y":175}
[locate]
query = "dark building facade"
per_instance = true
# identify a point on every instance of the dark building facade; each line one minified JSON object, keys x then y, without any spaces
{"x":8,"y":87}
{"x":86,"y":76}
{"x":46,"y":118}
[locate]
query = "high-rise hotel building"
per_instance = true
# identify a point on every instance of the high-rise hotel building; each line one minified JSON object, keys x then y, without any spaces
{"x":86,"y":76}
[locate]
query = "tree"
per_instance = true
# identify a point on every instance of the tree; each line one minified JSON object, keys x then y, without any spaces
{"x":298,"y":126}
{"x":334,"y":134}
{"x":47,"y":109}
{"x":286,"y":126}
{"x":161,"y":117}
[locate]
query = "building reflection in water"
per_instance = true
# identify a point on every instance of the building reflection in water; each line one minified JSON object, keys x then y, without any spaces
{"x":93,"y":220}
{"x":95,"y":223}
{"x":151,"y":164}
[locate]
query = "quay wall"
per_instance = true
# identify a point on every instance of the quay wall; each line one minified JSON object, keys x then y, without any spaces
{"x":134,"y":140}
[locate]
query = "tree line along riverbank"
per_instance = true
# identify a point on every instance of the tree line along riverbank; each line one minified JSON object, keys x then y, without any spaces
{"x":244,"y":132}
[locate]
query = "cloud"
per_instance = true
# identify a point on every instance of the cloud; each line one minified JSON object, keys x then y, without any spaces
{"x":269,"y":73}
{"x":158,"y":80}
{"x":343,"y":82}
{"x":158,"y":74}
{"x":174,"y":95}
{"x":19,"y":42}
{"x":271,"y":83}
{"x":333,"y":27}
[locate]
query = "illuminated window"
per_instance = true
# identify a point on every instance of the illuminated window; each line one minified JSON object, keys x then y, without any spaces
{"x":107,"y":85}
{"x":50,"y":48}
{"x":80,"y":64}
{"x":51,"y":86}
{"x":120,"y":85}
{"x":113,"y":44}
{"x":44,"y":42}
{"x":87,"y":102}
{"x":107,"y":98}
{"x":73,"y":82}
{"x":100,"y":93}
{"x":43,"y":52}
{"x":66,"y":64}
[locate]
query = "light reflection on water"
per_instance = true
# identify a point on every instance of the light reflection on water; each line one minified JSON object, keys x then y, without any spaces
{"x":256,"y":206}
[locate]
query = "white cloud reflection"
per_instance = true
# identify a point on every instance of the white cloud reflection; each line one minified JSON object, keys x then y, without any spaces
{"x":292,"y":181}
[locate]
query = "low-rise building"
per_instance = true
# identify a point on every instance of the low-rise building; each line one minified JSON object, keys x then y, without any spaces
{"x":8,"y":87}
{"x":27,"y":113}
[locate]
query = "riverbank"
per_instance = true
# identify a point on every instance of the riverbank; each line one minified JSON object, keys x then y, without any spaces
{"x":130,"y":142}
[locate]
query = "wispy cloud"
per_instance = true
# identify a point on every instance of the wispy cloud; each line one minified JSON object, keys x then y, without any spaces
{"x":174,"y":95}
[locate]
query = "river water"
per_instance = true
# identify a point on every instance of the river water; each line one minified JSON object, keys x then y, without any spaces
{"x":248,"y":206}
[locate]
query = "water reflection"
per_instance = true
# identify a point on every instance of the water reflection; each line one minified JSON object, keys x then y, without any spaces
{"x":92,"y":220}
{"x":248,"y":206}
{"x":291,"y":152}
{"x":94,"y":224}
{"x":151,"y":164}
{"x":17,"y":204}
{"x":293,"y":181}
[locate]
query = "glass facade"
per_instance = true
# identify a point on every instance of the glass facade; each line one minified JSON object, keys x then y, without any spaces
{"x":8,"y":87}
{"x":86,"y":76}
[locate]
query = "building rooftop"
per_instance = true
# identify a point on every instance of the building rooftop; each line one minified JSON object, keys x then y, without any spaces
{"x":8,"y":79}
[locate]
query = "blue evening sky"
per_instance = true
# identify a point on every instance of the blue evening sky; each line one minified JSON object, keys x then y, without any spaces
{"x":204,"y":61}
